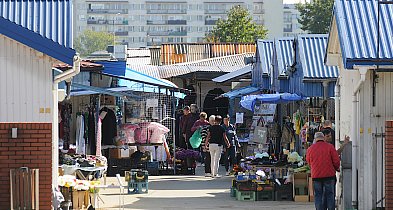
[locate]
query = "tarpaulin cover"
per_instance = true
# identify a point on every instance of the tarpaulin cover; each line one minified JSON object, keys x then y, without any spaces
{"x":249,"y":101}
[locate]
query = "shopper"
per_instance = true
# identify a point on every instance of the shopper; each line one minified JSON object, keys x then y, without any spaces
{"x":186,"y":123}
{"x":215,"y":140}
{"x":205,"y":149}
{"x":230,"y":153}
{"x":324,"y":162}
{"x":327,"y":125}
{"x":328,"y":138}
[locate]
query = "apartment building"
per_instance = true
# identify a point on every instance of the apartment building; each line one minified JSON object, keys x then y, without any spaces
{"x":141,"y":23}
{"x":291,"y":25}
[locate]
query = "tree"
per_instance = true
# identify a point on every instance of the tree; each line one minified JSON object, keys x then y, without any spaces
{"x":315,"y":17}
{"x":91,"y":41}
{"x":239,"y":27}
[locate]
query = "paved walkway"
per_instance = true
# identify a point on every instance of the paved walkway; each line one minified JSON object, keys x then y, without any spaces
{"x":189,"y":192}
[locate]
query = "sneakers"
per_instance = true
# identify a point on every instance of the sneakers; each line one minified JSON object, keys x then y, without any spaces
{"x":217,"y":176}
{"x":208,"y":175}
{"x":227,"y":173}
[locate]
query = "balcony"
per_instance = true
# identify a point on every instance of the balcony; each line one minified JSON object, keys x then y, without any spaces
{"x":153,"y":43}
{"x":177,"y":22}
{"x":107,"y":11}
{"x":211,"y":22}
{"x":166,"y":11}
{"x":166,"y":22}
{"x":167,"y":33}
{"x":109,"y":22}
{"x":121,"y":33}
{"x":217,"y":11}
{"x":259,"y":11}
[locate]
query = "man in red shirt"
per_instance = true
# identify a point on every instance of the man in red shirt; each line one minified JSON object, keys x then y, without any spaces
{"x":324,"y":162}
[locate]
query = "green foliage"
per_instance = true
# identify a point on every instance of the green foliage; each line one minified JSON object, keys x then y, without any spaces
{"x":91,"y":41}
{"x":315,"y":17}
{"x":239,"y":27}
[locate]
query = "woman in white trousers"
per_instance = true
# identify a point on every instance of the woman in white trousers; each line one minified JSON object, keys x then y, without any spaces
{"x":215,"y":140}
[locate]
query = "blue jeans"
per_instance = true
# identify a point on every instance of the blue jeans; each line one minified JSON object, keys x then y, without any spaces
{"x":230,"y":155}
{"x":325,"y":194}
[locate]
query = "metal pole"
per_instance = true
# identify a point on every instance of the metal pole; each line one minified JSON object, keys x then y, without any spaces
{"x":173,"y":131}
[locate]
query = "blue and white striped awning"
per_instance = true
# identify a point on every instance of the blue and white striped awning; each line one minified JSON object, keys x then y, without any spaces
{"x":312,"y":48}
{"x":357,"y":24}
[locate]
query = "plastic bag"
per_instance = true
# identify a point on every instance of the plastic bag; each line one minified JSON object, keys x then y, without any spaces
{"x":196,"y":139}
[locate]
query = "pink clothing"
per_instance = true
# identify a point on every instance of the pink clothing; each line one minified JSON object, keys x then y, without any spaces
{"x":157,"y":132}
{"x":98,"y":147}
{"x":129,"y":131}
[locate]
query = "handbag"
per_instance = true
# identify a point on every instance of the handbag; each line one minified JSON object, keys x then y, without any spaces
{"x":260,"y":135}
{"x":196,"y":139}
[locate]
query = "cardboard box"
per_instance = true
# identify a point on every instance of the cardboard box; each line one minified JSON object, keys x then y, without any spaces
{"x":118,"y":153}
{"x":301,"y":198}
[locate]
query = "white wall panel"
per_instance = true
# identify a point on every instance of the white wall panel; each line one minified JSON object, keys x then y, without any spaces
{"x":25,"y":83}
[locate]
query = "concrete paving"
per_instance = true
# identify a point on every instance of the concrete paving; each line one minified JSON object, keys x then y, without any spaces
{"x":189,"y":192}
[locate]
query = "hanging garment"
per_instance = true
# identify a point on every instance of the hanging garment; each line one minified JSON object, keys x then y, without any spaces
{"x":98,"y":147}
{"x":157,"y":131}
{"x":80,"y":131}
{"x":92,"y":133}
{"x":129,"y":132}
{"x":109,"y":127}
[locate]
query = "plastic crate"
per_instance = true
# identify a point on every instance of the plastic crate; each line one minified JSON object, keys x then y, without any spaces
{"x":246,"y":186}
{"x":137,"y":175}
{"x":233,"y":192}
{"x":265,"y":187}
{"x":265,"y":195}
{"x":284,"y":192}
{"x":245,"y":195}
{"x":138,"y":187}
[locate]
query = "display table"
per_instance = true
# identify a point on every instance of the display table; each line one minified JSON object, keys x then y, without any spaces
{"x":84,"y":173}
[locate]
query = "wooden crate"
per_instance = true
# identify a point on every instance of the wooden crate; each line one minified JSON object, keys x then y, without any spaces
{"x":301,"y":198}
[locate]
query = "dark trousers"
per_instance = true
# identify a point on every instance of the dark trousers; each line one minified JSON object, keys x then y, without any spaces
{"x":207,"y":162}
{"x":229,"y":156}
{"x":325,"y":194}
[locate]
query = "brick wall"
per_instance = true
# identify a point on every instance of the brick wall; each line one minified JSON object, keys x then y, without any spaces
{"x":33,"y":149}
{"x":389,"y":165}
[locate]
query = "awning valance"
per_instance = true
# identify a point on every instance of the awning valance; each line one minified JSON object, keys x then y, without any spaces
{"x":249,"y":101}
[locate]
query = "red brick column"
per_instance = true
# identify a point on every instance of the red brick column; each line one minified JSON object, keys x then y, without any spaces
{"x":32,"y":149}
{"x":389,"y":165}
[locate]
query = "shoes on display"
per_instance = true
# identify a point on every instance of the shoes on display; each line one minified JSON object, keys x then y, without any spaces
{"x":208,"y":175}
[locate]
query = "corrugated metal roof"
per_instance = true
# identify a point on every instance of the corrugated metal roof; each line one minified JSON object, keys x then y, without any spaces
{"x":230,"y":60}
{"x":312,"y":50}
{"x":145,"y":69}
{"x":36,"y":41}
{"x":265,"y":51}
{"x":50,"y":18}
{"x":357,"y":23}
{"x":285,"y":54}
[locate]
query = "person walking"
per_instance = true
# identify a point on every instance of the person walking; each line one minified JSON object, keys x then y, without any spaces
{"x":205,"y":149}
{"x":199,"y":124}
{"x":324,"y":162}
{"x":230,"y":153}
{"x":215,"y":140}
{"x":186,"y":123}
